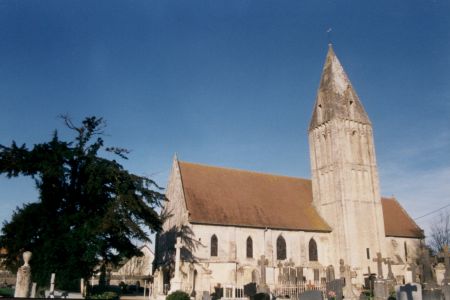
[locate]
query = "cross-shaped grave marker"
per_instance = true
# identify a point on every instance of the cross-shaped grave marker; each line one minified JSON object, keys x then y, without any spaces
{"x":408,"y":289}
{"x":379,"y":261}
{"x":388,"y":261}
{"x":263,"y":262}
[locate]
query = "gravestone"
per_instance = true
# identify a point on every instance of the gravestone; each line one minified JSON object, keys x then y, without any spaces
{"x":439,"y":270}
{"x":413,"y":268}
{"x":262,"y":287}
{"x":300,"y":274}
{"x":380,"y":289}
{"x":369,"y":279}
{"x":434,"y":294}
{"x":446,"y":255}
{"x":23,"y":281}
{"x":446,"y":292}
{"x":379,"y":261}
{"x":388,"y":261}
{"x":409,"y":291}
{"x":33,"y":290}
{"x":311,"y":295}
{"x":335,"y":286}
{"x":206,"y":296}
{"x":346,"y":276}
{"x":330,"y":273}
{"x":292,"y":276}
{"x":261,"y":296}
{"x":250,"y":289}
{"x":427,"y":272}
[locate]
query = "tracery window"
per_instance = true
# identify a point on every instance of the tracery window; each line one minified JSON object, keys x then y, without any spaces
{"x":249,"y":247}
{"x":281,"y":248}
{"x":214,"y":245}
{"x":313,"y":250}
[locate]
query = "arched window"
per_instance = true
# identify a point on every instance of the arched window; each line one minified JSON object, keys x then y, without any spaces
{"x":281,"y":248}
{"x":249,"y":247}
{"x":214,"y":245}
{"x":313,"y":250}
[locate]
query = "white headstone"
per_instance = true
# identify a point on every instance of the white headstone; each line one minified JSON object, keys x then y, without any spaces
{"x":23,"y":281}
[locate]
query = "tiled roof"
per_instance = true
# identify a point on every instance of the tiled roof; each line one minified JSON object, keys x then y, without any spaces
{"x":242,"y":198}
{"x":222,"y":196}
{"x":397,"y":222}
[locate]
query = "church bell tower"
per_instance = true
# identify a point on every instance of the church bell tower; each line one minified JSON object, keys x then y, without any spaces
{"x":344,"y":170}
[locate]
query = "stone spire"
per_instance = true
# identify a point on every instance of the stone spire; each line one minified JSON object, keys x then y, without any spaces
{"x":336,"y":98}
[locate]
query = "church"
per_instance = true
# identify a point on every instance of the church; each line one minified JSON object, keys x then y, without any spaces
{"x":228,"y":227}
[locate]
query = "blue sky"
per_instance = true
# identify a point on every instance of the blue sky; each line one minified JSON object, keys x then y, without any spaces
{"x":230,"y":83}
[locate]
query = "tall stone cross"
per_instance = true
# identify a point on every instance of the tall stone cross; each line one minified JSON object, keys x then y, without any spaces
{"x":263,"y":262}
{"x":379,"y":261}
{"x":178,"y":247}
{"x":413,"y":268}
{"x":446,"y":255}
{"x":427,"y":272}
{"x":388,"y":261}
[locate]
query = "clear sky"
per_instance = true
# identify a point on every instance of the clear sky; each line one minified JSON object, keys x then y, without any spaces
{"x":230,"y":83}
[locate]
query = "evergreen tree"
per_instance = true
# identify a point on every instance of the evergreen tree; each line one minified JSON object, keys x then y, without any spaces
{"x":89,"y":212}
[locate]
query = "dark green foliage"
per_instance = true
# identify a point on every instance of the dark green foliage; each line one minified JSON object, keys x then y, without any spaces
{"x":178,"y":295}
{"x":105,"y":295}
{"x":104,"y":292}
{"x":6,"y":292}
{"x":89,"y":210}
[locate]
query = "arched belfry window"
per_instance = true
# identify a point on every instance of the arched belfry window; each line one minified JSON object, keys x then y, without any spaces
{"x":313,"y":250}
{"x":281,"y":248}
{"x":249,"y":247}
{"x":214,"y":245}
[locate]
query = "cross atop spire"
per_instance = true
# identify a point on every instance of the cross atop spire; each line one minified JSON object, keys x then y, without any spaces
{"x":336,"y":98}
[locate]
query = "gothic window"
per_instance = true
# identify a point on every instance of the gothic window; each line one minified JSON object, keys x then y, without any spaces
{"x":368,"y":253}
{"x":313,"y":250}
{"x":281,"y":248}
{"x":249,"y":247}
{"x":214,"y":245}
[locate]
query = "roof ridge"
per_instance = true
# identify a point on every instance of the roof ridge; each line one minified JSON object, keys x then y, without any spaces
{"x":242,"y":170}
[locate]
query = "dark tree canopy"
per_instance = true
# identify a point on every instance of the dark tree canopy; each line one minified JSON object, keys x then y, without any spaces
{"x":90,"y":209}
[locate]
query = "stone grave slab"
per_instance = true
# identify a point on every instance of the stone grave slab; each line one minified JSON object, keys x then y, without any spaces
{"x":410,"y":291}
{"x":250,"y":289}
{"x":446,"y":292}
{"x":380,"y":289}
{"x":335,"y":286}
{"x":434,"y":294}
{"x":311,"y":295}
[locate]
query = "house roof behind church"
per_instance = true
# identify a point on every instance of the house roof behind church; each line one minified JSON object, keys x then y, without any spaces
{"x":222,"y":196}
{"x":242,"y":198}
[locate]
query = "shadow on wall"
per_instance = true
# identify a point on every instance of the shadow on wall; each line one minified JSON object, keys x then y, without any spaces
{"x":165,"y":247}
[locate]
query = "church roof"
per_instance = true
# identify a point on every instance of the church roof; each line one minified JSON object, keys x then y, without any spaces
{"x":336,"y":97}
{"x":222,"y":196}
{"x":242,"y":198}
{"x":397,"y":222}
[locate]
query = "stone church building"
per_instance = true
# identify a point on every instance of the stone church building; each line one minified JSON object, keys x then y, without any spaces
{"x":239,"y":226}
